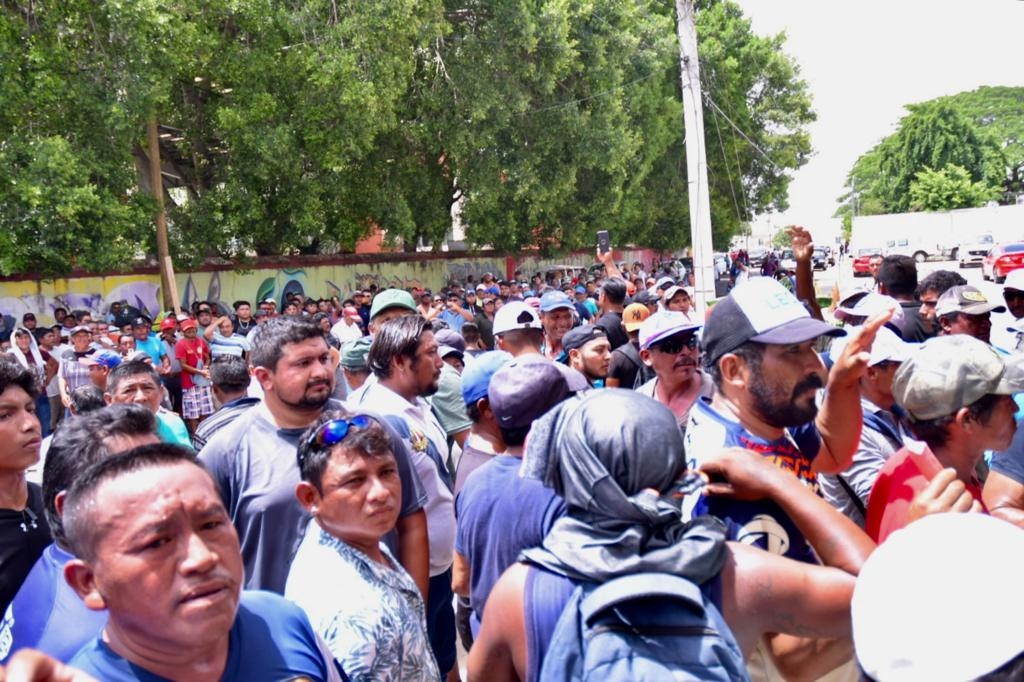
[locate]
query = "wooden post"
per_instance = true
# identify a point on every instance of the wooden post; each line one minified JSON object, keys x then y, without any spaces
{"x":168,"y":286}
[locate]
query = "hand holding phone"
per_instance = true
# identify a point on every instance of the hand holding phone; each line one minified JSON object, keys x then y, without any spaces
{"x":604,"y":244}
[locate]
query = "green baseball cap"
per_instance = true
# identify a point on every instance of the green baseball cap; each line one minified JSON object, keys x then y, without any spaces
{"x":353,"y":354}
{"x":391,"y":298}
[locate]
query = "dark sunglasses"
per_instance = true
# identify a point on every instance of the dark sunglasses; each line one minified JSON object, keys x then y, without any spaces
{"x":333,"y":432}
{"x":674,"y":344}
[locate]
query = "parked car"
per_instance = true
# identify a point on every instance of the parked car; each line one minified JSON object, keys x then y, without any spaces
{"x":756,"y":257}
{"x":822,"y":258}
{"x":787,"y":261}
{"x":973,"y":252}
{"x":1001,"y":260}
{"x":861,"y":259}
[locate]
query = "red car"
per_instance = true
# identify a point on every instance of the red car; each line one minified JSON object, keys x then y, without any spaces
{"x":1001,"y":260}
{"x":861,"y":260}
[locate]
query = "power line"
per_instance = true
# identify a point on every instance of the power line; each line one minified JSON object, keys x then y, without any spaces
{"x":742,"y":134}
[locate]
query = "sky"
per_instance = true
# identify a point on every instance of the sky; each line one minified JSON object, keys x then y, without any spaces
{"x":865,"y":60}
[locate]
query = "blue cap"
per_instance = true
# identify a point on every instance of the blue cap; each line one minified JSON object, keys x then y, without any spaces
{"x":102,"y":358}
{"x":553,"y":300}
{"x":477,"y":374}
{"x":581,"y":290}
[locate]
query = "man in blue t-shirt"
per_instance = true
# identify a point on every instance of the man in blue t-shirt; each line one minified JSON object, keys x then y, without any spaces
{"x":498,"y":513}
{"x":1004,"y":488}
{"x":759,"y":347}
{"x":150,"y":344}
{"x":46,"y":614}
{"x":157,"y":550}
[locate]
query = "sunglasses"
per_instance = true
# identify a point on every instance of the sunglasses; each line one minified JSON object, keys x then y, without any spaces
{"x":674,"y":344}
{"x":333,"y":432}
{"x":1012,"y":295}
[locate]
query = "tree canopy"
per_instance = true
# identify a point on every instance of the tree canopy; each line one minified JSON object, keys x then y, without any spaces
{"x":299,"y":127}
{"x":959,"y":151}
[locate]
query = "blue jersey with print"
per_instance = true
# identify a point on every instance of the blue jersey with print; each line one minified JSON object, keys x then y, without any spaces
{"x":761,"y":523}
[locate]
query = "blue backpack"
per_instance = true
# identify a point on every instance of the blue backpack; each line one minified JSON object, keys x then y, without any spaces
{"x":646,"y":626}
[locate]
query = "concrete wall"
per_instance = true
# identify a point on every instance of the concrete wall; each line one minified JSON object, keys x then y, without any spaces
{"x":315,"y":277}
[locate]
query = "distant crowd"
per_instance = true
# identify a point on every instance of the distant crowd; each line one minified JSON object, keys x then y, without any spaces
{"x":568,"y":477}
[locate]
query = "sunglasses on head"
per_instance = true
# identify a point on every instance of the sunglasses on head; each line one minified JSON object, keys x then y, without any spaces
{"x":674,"y":344}
{"x":333,"y":432}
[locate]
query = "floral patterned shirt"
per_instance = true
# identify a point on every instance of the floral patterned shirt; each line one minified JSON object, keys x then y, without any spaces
{"x":372,"y":617}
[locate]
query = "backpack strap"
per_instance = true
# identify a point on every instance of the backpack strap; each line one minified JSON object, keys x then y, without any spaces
{"x":640,"y":585}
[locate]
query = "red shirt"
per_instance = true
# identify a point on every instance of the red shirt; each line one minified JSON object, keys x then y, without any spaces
{"x":190,"y":352}
{"x":899,"y":480}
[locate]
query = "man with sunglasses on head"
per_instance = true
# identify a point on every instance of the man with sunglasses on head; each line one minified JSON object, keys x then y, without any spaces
{"x":253,"y":459}
{"x":669,"y":345}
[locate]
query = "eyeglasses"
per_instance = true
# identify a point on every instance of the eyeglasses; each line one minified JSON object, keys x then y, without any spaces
{"x":333,"y":432}
{"x":673,"y":344}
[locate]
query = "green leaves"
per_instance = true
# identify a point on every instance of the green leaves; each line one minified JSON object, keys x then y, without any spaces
{"x":299,"y":127}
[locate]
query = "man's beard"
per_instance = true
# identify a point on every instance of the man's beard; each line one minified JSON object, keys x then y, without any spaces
{"x":784,"y":411}
{"x":311,"y":400}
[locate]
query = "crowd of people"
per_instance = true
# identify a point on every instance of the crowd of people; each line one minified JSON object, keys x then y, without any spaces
{"x":562,"y":479}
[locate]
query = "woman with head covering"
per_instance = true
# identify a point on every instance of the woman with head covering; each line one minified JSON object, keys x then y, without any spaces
{"x":615,"y":457}
{"x":43,"y":366}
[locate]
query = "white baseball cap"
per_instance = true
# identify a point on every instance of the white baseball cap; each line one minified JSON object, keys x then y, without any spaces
{"x":516,"y":315}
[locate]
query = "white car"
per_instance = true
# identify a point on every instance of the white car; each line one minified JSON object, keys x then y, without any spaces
{"x":973,"y":253}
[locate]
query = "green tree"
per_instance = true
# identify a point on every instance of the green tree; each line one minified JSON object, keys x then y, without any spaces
{"x":949,"y":188}
{"x":982,"y":131}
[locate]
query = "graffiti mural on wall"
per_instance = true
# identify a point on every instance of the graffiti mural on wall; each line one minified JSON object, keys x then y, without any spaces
{"x":224,"y":287}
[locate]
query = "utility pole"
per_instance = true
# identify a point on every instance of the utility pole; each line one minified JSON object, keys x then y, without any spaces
{"x":168,"y":285}
{"x":696,"y":159}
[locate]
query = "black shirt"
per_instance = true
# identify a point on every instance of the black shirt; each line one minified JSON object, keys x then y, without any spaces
{"x":611,"y":323}
{"x":23,"y":537}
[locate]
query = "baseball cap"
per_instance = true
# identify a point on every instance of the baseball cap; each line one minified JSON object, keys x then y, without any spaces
{"x":663,"y":324}
{"x":869,"y":304}
{"x":580,"y":290}
{"x":512,"y":316}
{"x":1014,"y":280}
{"x":102,"y":358}
{"x":349,"y":311}
{"x":353,"y":353}
{"x":141,"y":322}
{"x":887,"y":346}
{"x":168,"y":323}
{"x":28,"y":316}
{"x":644,"y":296}
{"x":949,"y":372}
{"x":477,"y":375}
{"x":269,"y":300}
{"x":634,"y":315}
{"x":675,"y":289}
{"x":79,"y":328}
{"x":391,"y":298}
{"x":554,"y":300}
{"x":189,"y":324}
{"x":966,"y":299}
{"x":664,"y":283}
{"x":761,"y":310}
{"x":449,"y":341}
{"x":903,"y":630}
{"x":524,"y":390}
{"x":577,"y":337}
{"x":481,"y":287}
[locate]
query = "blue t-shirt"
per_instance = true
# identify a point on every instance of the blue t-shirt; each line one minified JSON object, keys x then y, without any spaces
{"x":271,"y":640}
{"x":153,"y":346}
{"x":760,"y":523}
{"x":47,"y":614}
{"x":498,"y":515}
{"x":1010,"y":462}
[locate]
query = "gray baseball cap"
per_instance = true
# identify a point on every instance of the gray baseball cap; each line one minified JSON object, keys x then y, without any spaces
{"x":950,"y":372}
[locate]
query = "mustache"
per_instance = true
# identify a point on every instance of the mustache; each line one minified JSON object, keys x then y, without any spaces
{"x":810,"y":382}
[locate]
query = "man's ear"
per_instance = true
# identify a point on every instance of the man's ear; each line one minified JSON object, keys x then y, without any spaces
{"x":58,"y":502}
{"x":264,"y":376}
{"x":308,"y":496}
{"x":645,"y":356}
{"x":734,"y":371}
{"x":109,"y":399}
{"x":80,"y":576}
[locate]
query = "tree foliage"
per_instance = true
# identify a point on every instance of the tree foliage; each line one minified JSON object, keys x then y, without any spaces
{"x":301,"y":126}
{"x":981,"y":131}
{"x":949,"y":188}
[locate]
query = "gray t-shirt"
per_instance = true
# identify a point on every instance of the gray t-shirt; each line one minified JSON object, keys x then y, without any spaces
{"x":253,"y":462}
